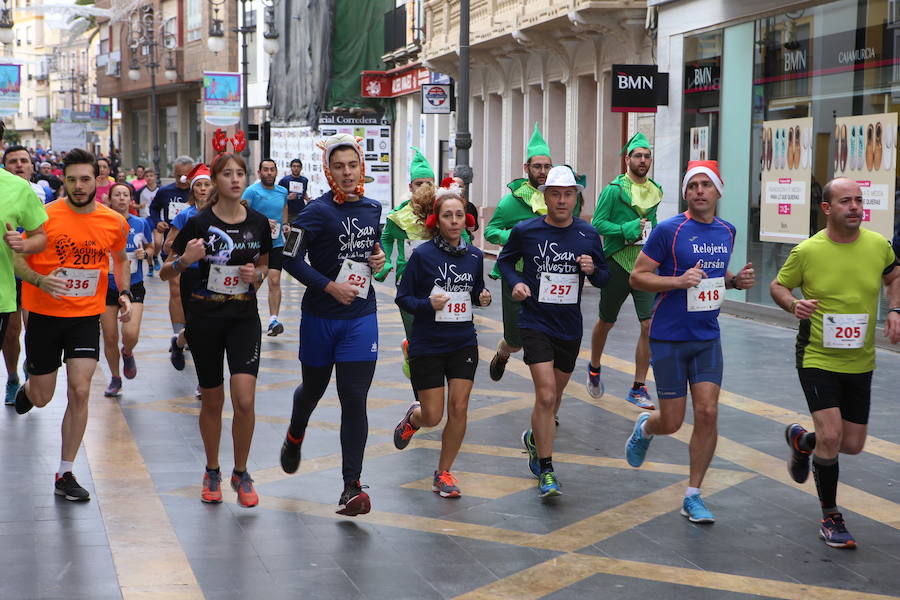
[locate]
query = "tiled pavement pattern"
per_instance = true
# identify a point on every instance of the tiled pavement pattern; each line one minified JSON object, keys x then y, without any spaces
{"x":615,"y":533}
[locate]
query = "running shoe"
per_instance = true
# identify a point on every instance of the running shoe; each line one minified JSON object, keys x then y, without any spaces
{"x":548,"y":485}
{"x":129,"y":366}
{"x":445,"y":485}
{"x":197,"y":393}
{"x":114,"y":389}
{"x":636,"y":446}
{"x":23,"y":404}
{"x":275,"y":328}
{"x":290,"y":454}
{"x":68,"y":487}
{"x":835,"y":533}
{"x":534,"y":465}
{"x":405,"y":348}
{"x":212,"y":487}
{"x":498,"y":366}
{"x":693,"y":508}
{"x":11,"y":388}
{"x":594,"y":383}
{"x":150,"y":270}
{"x":156,"y":263}
{"x":641,"y":398}
{"x":354,"y":501}
{"x":176,"y":354}
{"x":404,"y":430}
{"x":243,"y":485}
{"x":798,"y":461}
{"x":556,"y":420}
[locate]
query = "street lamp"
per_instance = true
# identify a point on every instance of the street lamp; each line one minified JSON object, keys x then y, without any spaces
{"x":216,"y":43}
{"x":148,"y":37}
{"x":7,"y":36}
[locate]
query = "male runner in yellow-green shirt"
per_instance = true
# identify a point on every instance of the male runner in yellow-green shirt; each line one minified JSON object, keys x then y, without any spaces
{"x":840,"y":271}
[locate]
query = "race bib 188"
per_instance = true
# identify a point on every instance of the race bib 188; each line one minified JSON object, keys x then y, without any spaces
{"x":457,"y":309}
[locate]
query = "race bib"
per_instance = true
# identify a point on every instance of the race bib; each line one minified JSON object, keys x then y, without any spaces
{"x":558,"y":288}
{"x":132,"y":263}
{"x":274,"y":228}
{"x":226,"y":279}
{"x":358,"y":274}
{"x":175,"y":208}
{"x":458,"y":307}
{"x":410,"y":245}
{"x":295,"y":186}
{"x":844,"y":331}
{"x":645,"y":233}
{"x":79,"y":282}
{"x":706,"y":295}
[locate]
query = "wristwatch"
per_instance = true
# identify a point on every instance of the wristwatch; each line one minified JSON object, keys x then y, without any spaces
{"x":734,"y":282}
{"x":896,"y":310}
{"x":127,"y":294}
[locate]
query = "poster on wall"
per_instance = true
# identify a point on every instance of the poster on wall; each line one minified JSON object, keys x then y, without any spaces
{"x":10,"y":88}
{"x":699,"y":143}
{"x":221,"y":98}
{"x":288,"y":143}
{"x":865,"y":149}
{"x":68,"y":136}
{"x":786,"y":158}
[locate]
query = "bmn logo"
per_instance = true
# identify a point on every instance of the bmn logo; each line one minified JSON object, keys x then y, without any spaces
{"x":630,"y":82}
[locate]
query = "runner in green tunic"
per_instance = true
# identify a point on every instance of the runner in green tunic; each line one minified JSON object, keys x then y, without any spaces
{"x":625,"y":214}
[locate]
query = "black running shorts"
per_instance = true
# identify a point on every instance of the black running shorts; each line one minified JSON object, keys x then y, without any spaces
{"x":431,"y":370}
{"x":850,"y":392}
{"x":48,"y":339}
{"x":540,"y":347}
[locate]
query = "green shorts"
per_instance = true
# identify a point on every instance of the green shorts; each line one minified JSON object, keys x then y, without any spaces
{"x":614,"y":293}
{"x":511,"y":310}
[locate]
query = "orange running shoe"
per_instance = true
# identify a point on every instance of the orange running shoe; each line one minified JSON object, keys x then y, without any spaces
{"x":445,"y":485}
{"x":212,"y":487}
{"x":243,"y":485}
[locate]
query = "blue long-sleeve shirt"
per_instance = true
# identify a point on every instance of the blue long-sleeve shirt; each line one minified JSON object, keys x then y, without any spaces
{"x":546,"y":248}
{"x":429,"y":266}
{"x":332,"y":233}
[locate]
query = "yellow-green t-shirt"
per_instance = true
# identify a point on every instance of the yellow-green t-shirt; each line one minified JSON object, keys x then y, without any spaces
{"x":845,"y":279}
{"x":21,"y":208}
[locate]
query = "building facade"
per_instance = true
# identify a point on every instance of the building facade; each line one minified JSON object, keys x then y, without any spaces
{"x":547,"y":63}
{"x":787,"y":95}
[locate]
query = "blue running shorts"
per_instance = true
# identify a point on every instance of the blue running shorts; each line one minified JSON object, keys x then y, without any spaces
{"x":677,"y":363}
{"x":324,"y":342}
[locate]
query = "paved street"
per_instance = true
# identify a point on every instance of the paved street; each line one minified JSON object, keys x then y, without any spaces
{"x":615,"y":533}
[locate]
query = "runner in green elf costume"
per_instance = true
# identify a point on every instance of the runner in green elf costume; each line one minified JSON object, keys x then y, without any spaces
{"x":625,"y":214}
{"x":523,"y":201}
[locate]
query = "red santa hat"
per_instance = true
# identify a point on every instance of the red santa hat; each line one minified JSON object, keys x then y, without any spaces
{"x":446,"y":182}
{"x":200,"y":171}
{"x":707,"y":167}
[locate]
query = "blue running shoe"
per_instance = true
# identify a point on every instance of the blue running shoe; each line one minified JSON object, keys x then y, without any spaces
{"x":533,"y":463}
{"x":548,"y":485}
{"x":275,"y":328}
{"x":636,"y":446}
{"x":594,"y":384}
{"x":641,"y":398}
{"x":11,"y":389}
{"x":696,"y":512}
{"x":835,"y":533}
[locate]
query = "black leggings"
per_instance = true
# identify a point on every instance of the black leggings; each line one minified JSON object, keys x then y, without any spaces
{"x":353,"y":381}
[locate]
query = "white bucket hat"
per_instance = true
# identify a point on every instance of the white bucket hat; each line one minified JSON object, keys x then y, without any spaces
{"x":561,"y":176}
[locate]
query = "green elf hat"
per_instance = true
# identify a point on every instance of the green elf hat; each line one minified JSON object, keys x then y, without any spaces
{"x":419,"y":167}
{"x":536,"y":145}
{"x":638,"y":140}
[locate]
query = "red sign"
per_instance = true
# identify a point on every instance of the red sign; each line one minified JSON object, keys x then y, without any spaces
{"x":784,"y":209}
{"x":390,"y":84}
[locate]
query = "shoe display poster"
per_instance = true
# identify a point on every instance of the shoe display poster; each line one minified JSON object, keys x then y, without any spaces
{"x":699,"y":143}
{"x":864,"y":148}
{"x":785,"y":159}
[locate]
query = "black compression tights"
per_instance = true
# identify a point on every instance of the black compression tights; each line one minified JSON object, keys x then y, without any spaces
{"x":353,"y":381}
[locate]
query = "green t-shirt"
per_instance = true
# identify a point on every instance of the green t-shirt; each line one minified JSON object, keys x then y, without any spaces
{"x":846,"y":280}
{"x":21,"y":208}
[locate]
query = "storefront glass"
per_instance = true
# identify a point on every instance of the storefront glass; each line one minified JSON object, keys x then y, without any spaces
{"x":826,"y":94}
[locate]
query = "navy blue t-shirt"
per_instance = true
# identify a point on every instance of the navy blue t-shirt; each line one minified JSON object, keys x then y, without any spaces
{"x":159,"y":207}
{"x":429,"y":266}
{"x":547,"y":249}
{"x":692,"y":241}
{"x":296,"y":205}
{"x":332,"y":233}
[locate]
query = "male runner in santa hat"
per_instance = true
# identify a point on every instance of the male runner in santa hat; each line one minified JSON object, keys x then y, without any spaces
{"x":685,"y":261}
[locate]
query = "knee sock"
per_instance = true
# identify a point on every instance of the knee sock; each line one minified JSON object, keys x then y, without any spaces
{"x":825,"y":471}
{"x":307,"y":396}
{"x":353,"y":382}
